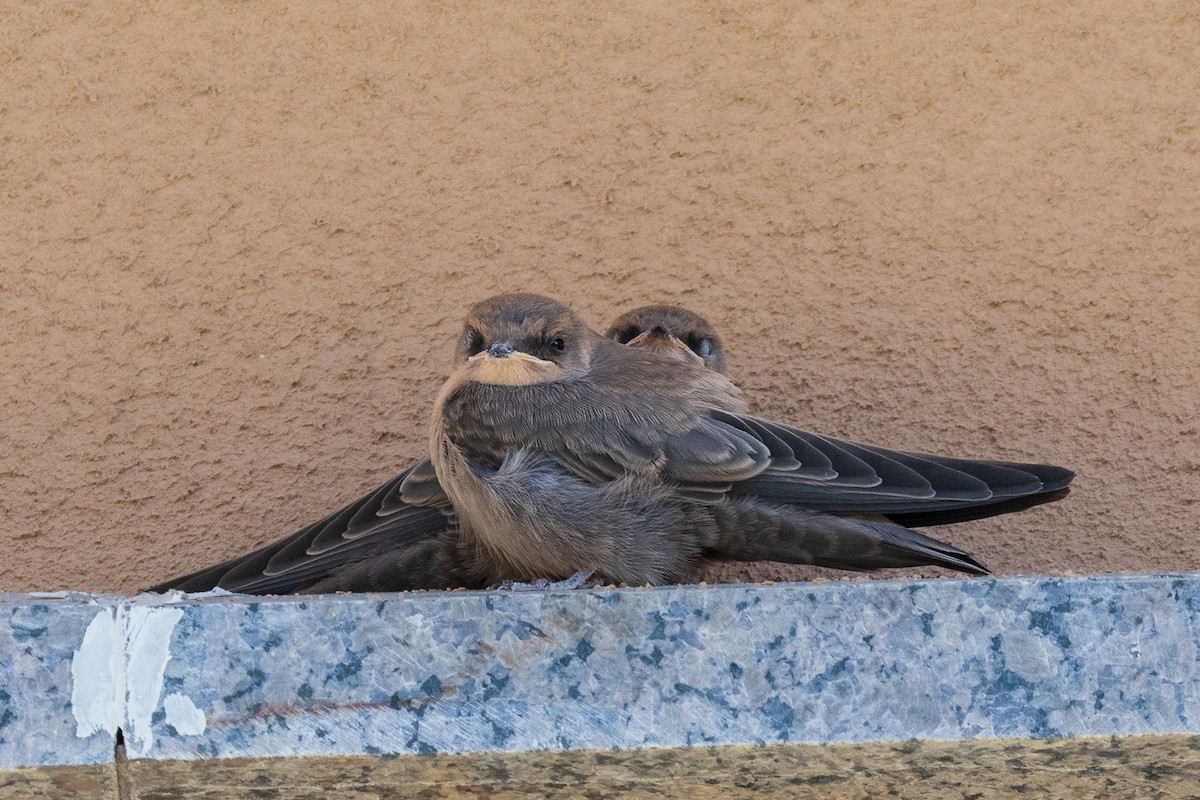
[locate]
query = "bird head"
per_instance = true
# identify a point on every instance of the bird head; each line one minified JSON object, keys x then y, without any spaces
{"x":671,"y":330}
{"x":521,"y":339}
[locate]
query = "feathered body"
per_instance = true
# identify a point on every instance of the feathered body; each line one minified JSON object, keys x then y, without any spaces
{"x":555,"y":450}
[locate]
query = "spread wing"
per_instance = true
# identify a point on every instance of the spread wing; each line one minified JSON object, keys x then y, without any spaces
{"x":378,"y":522}
{"x":822,"y":473}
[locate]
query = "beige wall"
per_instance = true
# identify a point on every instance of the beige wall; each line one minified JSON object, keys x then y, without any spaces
{"x":236,"y":239}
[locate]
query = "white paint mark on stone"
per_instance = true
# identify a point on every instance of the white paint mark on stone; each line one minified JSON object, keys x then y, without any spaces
{"x":97,"y":683}
{"x":147,"y":650}
{"x":183,"y":715}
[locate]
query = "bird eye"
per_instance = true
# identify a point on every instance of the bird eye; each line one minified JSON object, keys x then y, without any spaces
{"x":627,"y":335}
{"x":699,"y":345}
{"x":558,"y":343}
{"x":473,"y":341}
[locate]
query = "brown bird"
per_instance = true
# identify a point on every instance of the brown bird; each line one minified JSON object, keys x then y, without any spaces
{"x":561,"y":451}
{"x":801,"y":507}
{"x":381,"y":543}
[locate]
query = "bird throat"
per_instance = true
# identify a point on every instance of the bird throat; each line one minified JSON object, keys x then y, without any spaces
{"x":518,"y":369}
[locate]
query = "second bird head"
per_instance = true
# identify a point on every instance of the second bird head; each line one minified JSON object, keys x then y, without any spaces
{"x":672,"y":330}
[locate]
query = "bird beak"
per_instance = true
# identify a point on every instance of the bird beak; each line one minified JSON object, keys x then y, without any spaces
{"x":660,"y":340}
{"x":656,"y":335}
{"x":503,"y":350}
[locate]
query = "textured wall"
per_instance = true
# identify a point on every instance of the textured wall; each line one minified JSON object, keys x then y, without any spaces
{"x":236,"y":240}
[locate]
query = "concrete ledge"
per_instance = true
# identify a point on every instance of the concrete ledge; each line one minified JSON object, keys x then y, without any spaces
{"x":78,"y":782}
{"x":1162,"y":767}
{"x":442,"y":673}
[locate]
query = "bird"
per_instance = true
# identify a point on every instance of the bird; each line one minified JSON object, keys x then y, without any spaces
{"x":380,"y":543}
{"x":562,"y":451}
{"x":843,"y":506}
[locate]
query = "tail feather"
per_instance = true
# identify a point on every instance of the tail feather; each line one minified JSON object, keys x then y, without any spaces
{"x":752,"y":530}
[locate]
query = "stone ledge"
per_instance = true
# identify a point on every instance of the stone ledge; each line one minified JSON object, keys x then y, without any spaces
{"x":839,"y":662}
{"x":678,"y":666}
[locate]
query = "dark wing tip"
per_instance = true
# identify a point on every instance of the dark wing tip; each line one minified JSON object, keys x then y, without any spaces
{"x":967,"y":513}
{"x":1052,"y":477}
{"x":970,"y":565}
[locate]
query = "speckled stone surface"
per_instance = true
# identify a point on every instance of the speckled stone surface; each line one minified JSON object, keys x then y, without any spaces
{"x":475,"y":672}
{"x":675,"y":666}
{"x":40,"y":639}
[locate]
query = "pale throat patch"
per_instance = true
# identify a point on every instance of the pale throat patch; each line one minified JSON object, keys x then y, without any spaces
{"x":517,"y":369}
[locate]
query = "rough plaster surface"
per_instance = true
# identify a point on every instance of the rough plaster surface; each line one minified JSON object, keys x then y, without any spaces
{"x":235,"y":241}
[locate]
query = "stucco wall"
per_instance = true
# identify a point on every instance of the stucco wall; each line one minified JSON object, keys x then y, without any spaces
{"x":236,"y":240}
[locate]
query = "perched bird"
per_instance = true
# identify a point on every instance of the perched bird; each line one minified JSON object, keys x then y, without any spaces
{"x":561,"y":451}
{"x":594,"y":483}
{"x":380,"y":543}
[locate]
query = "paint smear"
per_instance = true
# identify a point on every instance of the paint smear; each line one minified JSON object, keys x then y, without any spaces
{"x":148,"y":649}
{"x":97,"y":682}
{"x":183,"y":716}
